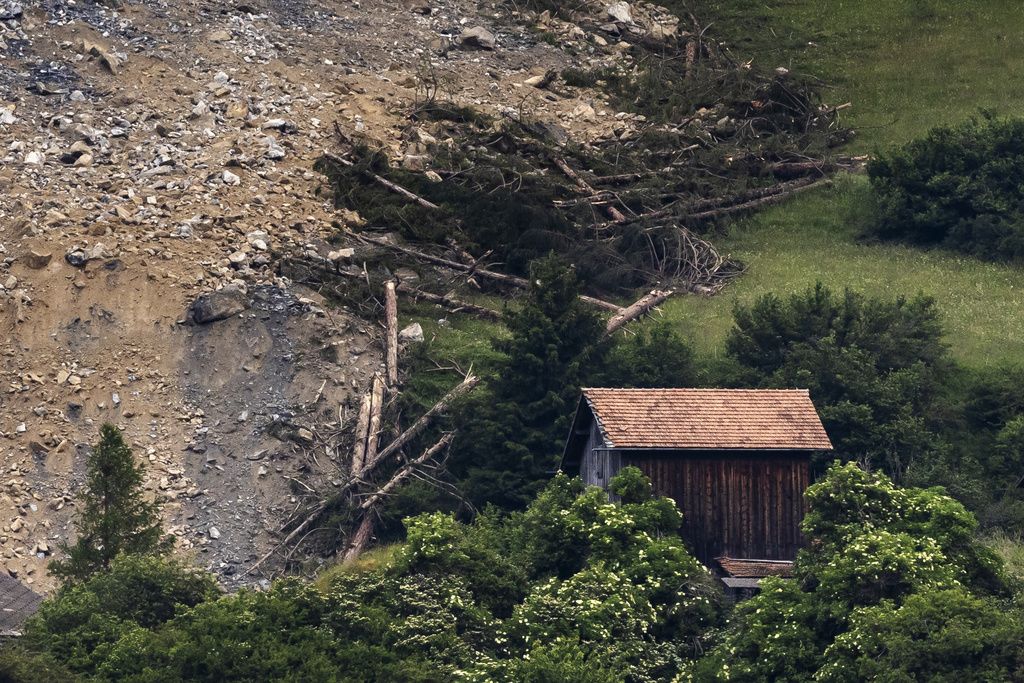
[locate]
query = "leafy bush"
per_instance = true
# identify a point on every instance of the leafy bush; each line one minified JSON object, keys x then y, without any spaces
{"x":959,"y":186}
{"x":573,"y":588}
{"x":871,"y":366}
{"x":942,"y":635}
{"x":80,"y":624}
{"x":881,"y":562}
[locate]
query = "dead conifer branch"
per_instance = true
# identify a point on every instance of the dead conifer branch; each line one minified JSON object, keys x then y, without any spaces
{"x":451,"y":304}
{"x":394,"y":187}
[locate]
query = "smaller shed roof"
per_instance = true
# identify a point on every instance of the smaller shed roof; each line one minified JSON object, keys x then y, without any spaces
{"x":754,"y":569}
{"x":17,"y":603}
{"x":782,"y":419}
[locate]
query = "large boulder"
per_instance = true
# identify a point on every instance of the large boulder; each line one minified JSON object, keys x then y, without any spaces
{"x":225,"y":302}
{"x":478,"y":37}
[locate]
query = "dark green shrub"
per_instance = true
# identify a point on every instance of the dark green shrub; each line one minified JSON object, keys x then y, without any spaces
{"x":959,"y":186}
{"x":871,"y":366}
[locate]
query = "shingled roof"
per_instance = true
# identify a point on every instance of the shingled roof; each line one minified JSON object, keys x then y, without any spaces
{"x":707,"y":418}
{"x":17,"y":603}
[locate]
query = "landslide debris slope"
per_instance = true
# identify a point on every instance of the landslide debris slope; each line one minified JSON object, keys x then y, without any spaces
{"x":153,"y":153}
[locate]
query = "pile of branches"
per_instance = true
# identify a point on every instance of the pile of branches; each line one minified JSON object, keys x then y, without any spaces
{"x":635,"y":210}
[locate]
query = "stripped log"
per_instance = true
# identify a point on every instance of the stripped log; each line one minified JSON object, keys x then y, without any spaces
{"x":373,"y":428}
{"x":637,"y":309}
{"x":425,"y":419}
{"x":460,"y":390}
{"x":362,"y":430}
{"x":452,"y":304}
{"x":364,"y":532}
{"x":756,"y":203}
{"x":398,"y":189}
{"x":391,"y":333}
{"x":455,"y":265}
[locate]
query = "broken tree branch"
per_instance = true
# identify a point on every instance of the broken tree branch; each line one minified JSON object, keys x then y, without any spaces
{"x":398,"y":189}
{"x":637,"y":309}
{"x":455,"y":265}
{"x":452,"y":304}
{"x":406,"y":470}
{"x":313,"y":516}
{"x":364,"y":532}
{"x":419,"y":425}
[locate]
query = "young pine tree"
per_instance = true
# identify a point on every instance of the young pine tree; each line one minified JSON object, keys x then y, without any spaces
{"x":515,"y":430}
{"x":116,"y":517}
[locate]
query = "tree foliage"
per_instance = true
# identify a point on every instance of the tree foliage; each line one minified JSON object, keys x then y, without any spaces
{"x":871,"y":366}
{"x":880,"y":561}
{"x":80,"y":625}
{"x":513,"y":432}
{"x":116,"y":517}
{"x":573,"y":588}
{"x":959,"y":186}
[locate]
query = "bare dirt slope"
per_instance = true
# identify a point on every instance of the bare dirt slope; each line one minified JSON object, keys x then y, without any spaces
{"x":156,"y":151}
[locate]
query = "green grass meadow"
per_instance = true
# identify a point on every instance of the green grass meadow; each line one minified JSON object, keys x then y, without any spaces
{"x":906,"y":66}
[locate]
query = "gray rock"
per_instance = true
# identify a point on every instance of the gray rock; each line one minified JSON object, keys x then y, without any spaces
{"x":223,"y":303}
{"x":77,"y":258}
{"x":214,"y":532}
{"x":411,"y":334}
{"x":36,"y":260}
{"x":478,"y":37}
{"x":341,"y":254}
{"x":10,"y":10}
{"x":619,"y":11}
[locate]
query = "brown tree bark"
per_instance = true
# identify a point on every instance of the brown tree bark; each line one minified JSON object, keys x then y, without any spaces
{"x":637,"y":309}
{"x":391,"y":333}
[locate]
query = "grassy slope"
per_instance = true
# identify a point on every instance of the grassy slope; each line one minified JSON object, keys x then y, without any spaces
{"x":906,"y":65}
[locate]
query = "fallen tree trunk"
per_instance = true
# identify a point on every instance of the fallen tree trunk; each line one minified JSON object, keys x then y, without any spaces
{"x":398,"y":189}
{"x":637,"y":309}
{"x":362,"y":431}
{"x":391,"y":333}
{"x":756,"y":203}
{"x":455,"y":265}
{"x":406,"y":470}
{"x":452,"y":304}
{"x":364,"y":532}
{"x":359,"y":540}
{"x":373,"y":428}
{"x":424,"y":420}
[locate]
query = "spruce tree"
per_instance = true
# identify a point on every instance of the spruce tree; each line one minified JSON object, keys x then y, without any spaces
{"x":116,"y":518}
{"x":516,"y":430}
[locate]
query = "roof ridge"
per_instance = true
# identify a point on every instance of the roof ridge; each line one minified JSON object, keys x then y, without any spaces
{"x":797,"y":390}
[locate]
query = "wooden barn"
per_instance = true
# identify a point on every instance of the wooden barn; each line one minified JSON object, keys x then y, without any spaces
{"x":736,"y":462}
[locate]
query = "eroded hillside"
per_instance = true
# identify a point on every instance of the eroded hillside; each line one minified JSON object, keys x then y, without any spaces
{"x":155,"y":152}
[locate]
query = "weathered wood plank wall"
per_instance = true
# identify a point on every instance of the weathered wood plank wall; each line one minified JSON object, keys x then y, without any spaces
{"x":740,"y":505}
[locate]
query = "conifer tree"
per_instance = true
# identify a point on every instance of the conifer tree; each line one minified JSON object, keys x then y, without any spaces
{"x":516,"y":429}
{"x":116,"y":517}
